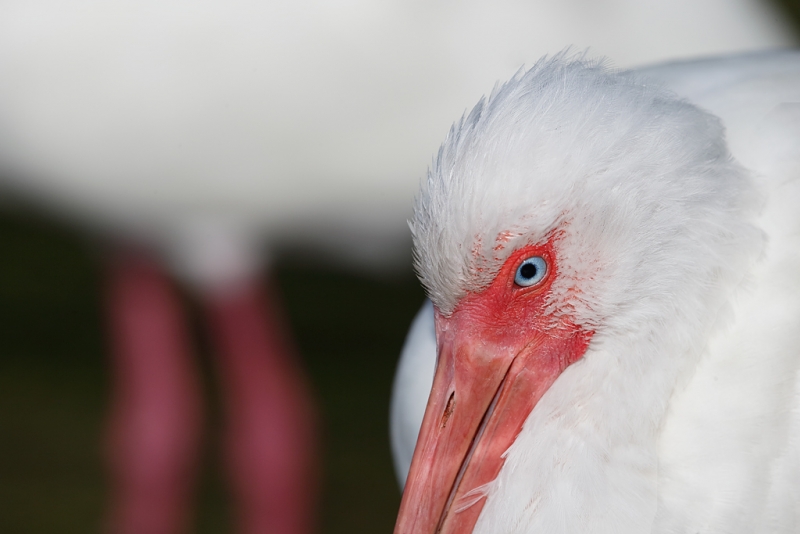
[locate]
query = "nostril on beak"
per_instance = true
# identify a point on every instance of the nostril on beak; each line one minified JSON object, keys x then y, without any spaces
{"x":448,"y":409}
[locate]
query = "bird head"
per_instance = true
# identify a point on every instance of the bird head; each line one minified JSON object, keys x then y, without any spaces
{"x":578,"y":234}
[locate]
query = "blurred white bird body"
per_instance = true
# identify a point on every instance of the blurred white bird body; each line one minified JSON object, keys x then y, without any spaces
{"x":285,"y":121}
{"x":682,"y":411}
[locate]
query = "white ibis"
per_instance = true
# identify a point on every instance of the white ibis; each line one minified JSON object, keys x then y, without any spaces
{"x":614,"y":274}
{"x":211,"y":132}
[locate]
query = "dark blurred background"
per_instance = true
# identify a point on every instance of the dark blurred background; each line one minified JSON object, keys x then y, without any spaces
{"x":53,"y":388}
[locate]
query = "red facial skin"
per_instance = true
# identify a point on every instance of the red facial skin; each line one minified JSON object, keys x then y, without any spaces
{"x":498,"y":353}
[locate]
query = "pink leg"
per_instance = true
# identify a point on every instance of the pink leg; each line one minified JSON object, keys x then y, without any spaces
{"x":155,"y":418}
{"x":270,"y":440}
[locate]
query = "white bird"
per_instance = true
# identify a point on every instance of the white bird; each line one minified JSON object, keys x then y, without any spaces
{"x":614,"y":276}
{"x":214,"y":133}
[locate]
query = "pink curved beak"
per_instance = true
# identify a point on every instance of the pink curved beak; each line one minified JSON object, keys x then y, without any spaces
{"x":487,"y":382}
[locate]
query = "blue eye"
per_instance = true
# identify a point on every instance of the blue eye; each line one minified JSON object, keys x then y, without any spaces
{"x":531,"y":271}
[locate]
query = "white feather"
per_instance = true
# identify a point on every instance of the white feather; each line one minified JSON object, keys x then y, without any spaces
{"x":412,"y":385}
